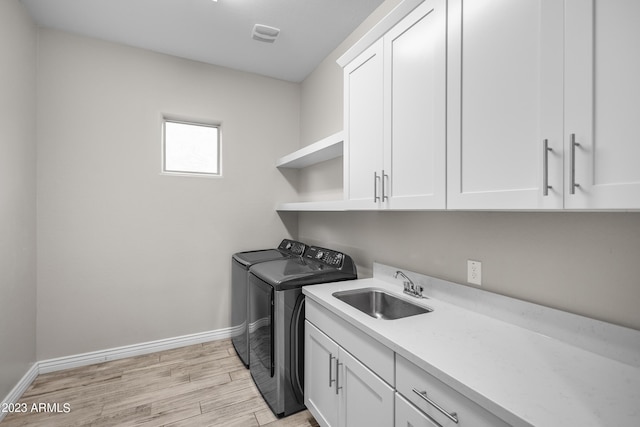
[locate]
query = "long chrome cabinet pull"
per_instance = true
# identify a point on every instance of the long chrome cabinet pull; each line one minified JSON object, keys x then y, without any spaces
{"x":376,"y":198}
{"x":331,"y":380}
{"x":545,"y":167}
{"x":572,"y":161}
{"x":423,"y":394}
{"x":385,"y":178}
{"x":338,"y":386}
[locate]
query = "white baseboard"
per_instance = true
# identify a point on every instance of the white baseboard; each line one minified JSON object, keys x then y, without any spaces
{"x":84,"y":359}
{"x":20,"y":388}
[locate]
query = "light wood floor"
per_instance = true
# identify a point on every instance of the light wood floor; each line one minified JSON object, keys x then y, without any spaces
{"x":199,"y":385}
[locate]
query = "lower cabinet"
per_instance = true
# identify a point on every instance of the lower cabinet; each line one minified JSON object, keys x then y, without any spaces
{"x":320,"y":388}
{"x":341,"y":391}
{"x":352,"y":380}
{"x":408,"y":415}
{"x":441,"y":404}
{"x":365,"y":399}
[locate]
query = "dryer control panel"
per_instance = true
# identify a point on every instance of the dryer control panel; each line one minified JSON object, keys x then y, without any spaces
{"x":293,"y":247}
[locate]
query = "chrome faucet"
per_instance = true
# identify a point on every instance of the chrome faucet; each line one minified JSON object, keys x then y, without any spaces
{"x":410,"y":288}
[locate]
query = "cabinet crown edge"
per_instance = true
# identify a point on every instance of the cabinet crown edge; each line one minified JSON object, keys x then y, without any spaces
{"x":378,"y":30}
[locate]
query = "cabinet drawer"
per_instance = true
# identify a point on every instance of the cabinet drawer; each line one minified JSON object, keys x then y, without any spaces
{"x":371,"y":353}
{"x":408,"y":415}
{"x":418,"y":387}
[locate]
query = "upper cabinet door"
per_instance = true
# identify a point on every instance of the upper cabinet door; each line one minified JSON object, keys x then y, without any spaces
{"x":415,"y":87}
{"x":505,"y":94}
{"x":364,"y":128}
{"x":602,"y":110}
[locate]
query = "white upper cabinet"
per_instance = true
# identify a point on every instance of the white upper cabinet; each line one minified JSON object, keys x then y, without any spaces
{"x":415,"y":85}
{"x":543,"y":104}
{"x":395,"y":116}
{"x":495,"y":105}
{"x":505,"y":87}
{"x":602,"y":104}
{"x":364,"y":127}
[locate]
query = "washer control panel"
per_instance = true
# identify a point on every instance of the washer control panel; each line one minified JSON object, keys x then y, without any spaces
{"x":326,"y":256}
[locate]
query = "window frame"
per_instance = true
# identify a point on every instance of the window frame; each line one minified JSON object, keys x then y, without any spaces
{"x":194,"y":122}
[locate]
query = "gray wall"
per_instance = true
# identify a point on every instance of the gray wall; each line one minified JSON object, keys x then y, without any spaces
{"x":127,"y":255}
{"x":584,"y":263}
{"x":17,"y":194}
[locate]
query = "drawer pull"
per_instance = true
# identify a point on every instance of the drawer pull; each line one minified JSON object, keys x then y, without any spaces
{"x":423,"y":394}
{"x":331,"y":380}
{"x":572,"y":164}
{"x":545,"y":167}
{"x":385,"y":178}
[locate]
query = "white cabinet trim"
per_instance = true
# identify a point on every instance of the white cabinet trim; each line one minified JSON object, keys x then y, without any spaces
{"x":391,"y":19}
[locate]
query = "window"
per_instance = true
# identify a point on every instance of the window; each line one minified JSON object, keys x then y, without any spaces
{"x":191,"y":148}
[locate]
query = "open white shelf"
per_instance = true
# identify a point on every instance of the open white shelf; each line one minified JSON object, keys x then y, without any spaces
{"x":328,"y":148}
{"x":322,"y":206}
{"x":325,"y":149}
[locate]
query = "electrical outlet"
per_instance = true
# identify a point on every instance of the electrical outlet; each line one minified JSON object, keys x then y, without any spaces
{"x":474,"y":272}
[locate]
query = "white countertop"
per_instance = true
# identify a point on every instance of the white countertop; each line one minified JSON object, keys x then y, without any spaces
{"x":521,"y":376}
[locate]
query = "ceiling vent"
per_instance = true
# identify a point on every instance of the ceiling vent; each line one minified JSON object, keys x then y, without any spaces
{"x":265,"y":33}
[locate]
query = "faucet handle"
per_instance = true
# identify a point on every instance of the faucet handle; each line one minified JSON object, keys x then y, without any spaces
{"x":410,"y":288}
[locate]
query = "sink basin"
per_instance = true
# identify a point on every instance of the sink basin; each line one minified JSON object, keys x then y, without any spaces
{"x":380,"y":304}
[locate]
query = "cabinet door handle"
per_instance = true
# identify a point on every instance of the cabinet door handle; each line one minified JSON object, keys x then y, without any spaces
{"x":423,"y":395}
{"x":338,"y":387}
{"x":385,"y":178}
{"x":545,"y":167}
{"x":572,"y":161}
{"x":331,"y":381}
{"x":376,"y":198}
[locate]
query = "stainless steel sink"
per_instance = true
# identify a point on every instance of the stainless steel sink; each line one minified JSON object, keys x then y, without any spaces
{"x":380,"y":304}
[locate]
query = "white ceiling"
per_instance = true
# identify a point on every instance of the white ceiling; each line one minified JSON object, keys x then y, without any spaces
{"x":215,"y":32}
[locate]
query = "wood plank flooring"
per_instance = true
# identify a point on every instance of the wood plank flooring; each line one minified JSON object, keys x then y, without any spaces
{"x":199,"y":385}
